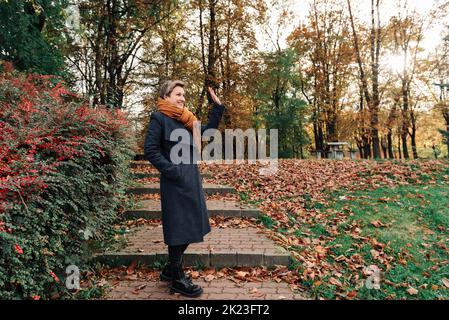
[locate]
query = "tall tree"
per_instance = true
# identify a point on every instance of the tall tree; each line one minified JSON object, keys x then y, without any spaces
{"x":283,"y":109}
{"x":372,"y":96}
{"x":440,"y":71}
{"x":113,"y":31}
{"x":324,"y":44}
{"x":407,"y":29}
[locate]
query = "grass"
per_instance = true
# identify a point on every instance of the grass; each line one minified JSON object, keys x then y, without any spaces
{"x":414,"y":224}
{"x":267,"y":221}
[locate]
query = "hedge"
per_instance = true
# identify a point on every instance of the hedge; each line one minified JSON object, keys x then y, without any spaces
{"x":63,"y":176}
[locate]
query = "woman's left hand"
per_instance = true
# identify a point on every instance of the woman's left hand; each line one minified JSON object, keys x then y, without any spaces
{"x":214,"y":96}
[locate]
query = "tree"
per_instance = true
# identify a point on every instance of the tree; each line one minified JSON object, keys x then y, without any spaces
{"x":282,"y":109}
{"x":179,"y":47}
{"x":113,"y":32}
{"x":32,"y":34}
{"x":407,"y":32}
{"x":326,"y":54}
{"x":372,"y":96}
{"x":442,"y":69}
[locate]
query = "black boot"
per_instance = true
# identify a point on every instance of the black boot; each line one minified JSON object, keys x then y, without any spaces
{"x":166,"y":274}
{"x":183,"y":285}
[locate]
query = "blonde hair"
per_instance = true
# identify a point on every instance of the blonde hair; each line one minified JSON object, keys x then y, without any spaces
{"x":168,"y":86}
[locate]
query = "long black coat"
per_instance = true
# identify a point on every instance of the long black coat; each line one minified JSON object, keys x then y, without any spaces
{"x":185,"y":218}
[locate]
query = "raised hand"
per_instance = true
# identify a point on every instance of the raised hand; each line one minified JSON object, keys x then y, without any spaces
{"x":213,"y":95}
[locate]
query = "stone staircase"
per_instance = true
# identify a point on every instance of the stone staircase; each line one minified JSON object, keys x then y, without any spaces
{"x":223,"y":247}
{"x":153,"y":188}
{"x":151,"y":209}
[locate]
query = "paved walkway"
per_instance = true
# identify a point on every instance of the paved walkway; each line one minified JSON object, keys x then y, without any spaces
{"x":220,"y":289}
{"x":226,"y":247}
{"x":240,"y":246}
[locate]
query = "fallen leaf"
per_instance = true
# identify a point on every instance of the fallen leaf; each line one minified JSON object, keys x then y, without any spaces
{"x":131,"y":268}
{"x":253,"y":290}
{"x":377,"y":224}
{"x":445,"y":282}
{"x":335,"y":282}
{"x":209,"y":278}
{"x":259,"y":294}
{"x":241,"y":275}
{"x":141,"y":287}
{"x":412,"y":291}
{"x":102,"y":283}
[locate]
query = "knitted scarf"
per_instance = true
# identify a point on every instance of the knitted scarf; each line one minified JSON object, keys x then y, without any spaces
{"x":184,"y":115}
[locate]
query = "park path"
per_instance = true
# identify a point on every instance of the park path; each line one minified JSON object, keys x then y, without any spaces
{"x":245,"y":247}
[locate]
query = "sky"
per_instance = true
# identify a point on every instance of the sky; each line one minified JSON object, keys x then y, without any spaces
{"x":361,"y":8}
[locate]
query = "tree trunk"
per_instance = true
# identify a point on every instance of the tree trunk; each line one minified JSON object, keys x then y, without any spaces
{"x":321,"y":139}
{"x":390,"y":144}
{"x":413,"y":134}
{"x":446,"y":118}
{"x":366,"y":146}
{"x":384,"y":145}
{"x":375,"y":52}
{"x":405,"y":116}
{"x":372,"y":99}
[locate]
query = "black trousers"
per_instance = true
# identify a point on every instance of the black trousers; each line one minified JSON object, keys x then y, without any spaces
{"x":175,"y":254}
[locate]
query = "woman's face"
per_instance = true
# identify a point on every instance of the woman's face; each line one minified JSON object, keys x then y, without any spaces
{"x":177,"y":97}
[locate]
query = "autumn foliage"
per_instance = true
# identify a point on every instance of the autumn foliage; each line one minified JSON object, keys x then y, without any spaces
{"x":61,"y":177}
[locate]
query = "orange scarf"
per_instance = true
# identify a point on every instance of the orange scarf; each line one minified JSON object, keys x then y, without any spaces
{"x":184,"y":115}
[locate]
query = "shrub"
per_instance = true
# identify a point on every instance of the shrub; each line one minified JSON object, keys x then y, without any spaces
{"x":63,"y":173}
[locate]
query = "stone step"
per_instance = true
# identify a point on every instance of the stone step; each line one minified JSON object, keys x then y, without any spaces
{"x":142,"y":164}
{"x":143,"y":175}
{"x":226,"y":247}
{"x":208,"y":189}
{"x":151,"y":209}
{"x":139,"y":157}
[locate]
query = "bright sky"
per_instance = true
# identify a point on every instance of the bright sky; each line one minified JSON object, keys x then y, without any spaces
{"x":361,"y":8}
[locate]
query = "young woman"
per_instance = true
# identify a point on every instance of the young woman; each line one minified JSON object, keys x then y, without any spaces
{"x":185,"y":218}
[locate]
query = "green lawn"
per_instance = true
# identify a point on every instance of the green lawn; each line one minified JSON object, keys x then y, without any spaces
{"x":409,"y":225}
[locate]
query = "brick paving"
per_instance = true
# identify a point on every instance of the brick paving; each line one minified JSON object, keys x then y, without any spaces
{"x":219,"y":289}
{"x":221,"y":247}
{"x":208,"y":188}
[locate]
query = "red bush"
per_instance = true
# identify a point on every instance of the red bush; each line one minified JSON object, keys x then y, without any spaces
{"x":50,"y":143}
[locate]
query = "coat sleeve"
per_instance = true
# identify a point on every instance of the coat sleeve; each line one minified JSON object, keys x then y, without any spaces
{"x":214,"y":117}
{"x":153,"y":142}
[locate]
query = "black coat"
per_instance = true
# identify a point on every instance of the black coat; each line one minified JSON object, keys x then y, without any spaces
{"x":185,"y":218}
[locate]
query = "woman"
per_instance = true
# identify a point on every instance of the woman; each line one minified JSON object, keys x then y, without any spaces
{"x":185,"y":218}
